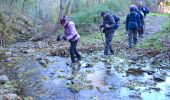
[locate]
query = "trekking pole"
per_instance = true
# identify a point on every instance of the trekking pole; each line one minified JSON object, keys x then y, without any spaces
{"x":102,"y":36}
{"x":101,"y":32}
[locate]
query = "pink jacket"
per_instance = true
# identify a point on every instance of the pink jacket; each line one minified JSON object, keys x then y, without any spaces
{"x":70,"y":32}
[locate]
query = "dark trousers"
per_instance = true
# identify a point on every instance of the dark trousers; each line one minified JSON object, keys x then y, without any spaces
{"x":132,"y":35}
{"x":73,"y":51}
{"x":141,"y":31}
{"x":108,"y":44}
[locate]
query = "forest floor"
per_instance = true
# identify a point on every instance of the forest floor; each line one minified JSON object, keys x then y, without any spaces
{"x":36,"y":71}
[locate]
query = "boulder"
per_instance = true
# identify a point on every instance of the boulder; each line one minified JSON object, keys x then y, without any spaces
{"x":150,"y":82}
{"x":3,"y":79}
{"x":135,"y":94}
{"x":159,"y":77}
{"x":36,"y":39}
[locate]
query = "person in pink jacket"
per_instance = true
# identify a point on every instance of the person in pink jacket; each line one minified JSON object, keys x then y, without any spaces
{"x":71,"y":34}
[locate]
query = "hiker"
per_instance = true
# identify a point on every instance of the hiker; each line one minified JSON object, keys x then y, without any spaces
{"x":70,"y":34}
{"x":108,"y":28}
{"x":132,"y":26}
{"x":143,"y":8}
{"x":142,"y":23}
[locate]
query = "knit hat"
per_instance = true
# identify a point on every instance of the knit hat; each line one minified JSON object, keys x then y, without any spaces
{"x":103,"y":13}
{"x":63,"y":20}
{"x":132,"y":9}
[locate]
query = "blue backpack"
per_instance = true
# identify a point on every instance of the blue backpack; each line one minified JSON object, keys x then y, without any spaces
{"x":117,"y":19}
{"x":133,"y":25}
{"x":146,"y":10}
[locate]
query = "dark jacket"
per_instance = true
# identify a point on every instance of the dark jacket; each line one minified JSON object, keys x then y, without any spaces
{"x":141,"y":17}
{"x":133,"y":17}
{"x":111,"y":22}
{"x":144,"y":9}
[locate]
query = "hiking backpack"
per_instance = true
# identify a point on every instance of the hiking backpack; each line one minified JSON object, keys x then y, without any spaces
{"x":146,"y":10}
{"x":133,"y":24}
{"x":117,"y":19}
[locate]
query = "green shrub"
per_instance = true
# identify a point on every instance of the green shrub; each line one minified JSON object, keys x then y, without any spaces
{"x":88,"y":19}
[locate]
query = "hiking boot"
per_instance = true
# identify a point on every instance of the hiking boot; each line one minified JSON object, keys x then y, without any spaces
{"x":73,"y":65}
{"x":79,"y":59}
{"x":112,"y":53}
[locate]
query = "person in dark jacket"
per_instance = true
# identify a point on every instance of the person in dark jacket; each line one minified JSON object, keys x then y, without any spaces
{"x":132,"y":26}
{"x":142,"y":23}
{"x":70,"y":34}
{"x":108,"y":28}
{"x":143,"y":8}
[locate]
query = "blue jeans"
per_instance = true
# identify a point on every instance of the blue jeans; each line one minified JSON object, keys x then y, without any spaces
{"x":132,"y":34}
{"x":73,"y":51}
{"x":108,"y":44}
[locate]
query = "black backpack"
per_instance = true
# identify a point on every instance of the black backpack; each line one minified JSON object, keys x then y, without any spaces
{"x":117,"y":19}
{"x":133,"y":24}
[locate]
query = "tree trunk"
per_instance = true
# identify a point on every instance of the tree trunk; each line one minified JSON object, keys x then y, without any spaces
{"x":23,"y":6}
{"x":69,"y":7}
{"x":61,"y":9}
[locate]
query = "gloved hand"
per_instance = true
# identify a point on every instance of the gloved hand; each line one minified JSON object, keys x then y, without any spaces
{"x":58,"y":38}
{"x":64,"y":38}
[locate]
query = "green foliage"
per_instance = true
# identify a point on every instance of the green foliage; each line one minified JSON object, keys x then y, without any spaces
{"x":85,"y":19}
{"x":88,"y":19}
{"x":157,"y":14}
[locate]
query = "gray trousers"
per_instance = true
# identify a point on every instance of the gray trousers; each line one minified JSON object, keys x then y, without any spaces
{"x":108,"y":43}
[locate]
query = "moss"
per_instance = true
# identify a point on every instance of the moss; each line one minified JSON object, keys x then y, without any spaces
{"x":62,"y":76}
{"x":10,"y":85}
{"x":157,"y":14}
{"x":77,"y":88}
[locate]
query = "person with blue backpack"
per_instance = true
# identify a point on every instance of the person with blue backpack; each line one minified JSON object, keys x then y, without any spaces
{"x":142,"y":23}
{"x":108,"y":26}
{"x":132,"y":26}
{"x":143,"y":8}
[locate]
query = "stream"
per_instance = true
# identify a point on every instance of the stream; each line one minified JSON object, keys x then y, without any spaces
{"x":42,"y":76}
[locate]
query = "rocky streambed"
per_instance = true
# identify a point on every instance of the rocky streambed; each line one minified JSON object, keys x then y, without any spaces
{"x":124,"y":76}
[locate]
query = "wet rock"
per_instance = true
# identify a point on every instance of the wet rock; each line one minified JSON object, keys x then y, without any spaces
{"x":135,"y":94}
{"x":88,"y":65}
{"x":152,"y":52}
{"x":1,"y":92}
{"x":164,"y":72}
{"x":28,"y":51}
{"x":150,"y":72}
{"x":134,"y":58}
{"x":36,"y":39}
{"x":3,"y":79}
{"x":11,"y":97}
{"x":43,"y":62}
{"x":168,"y":94}
{"x":8,"y":53}
{"x":134,"y":71}
{"x":103,"y":89}
{"x":41,"y":44}
{"x":9,"y":60}
{"x":1,"y":48}
{"x":155,"y":88}
{"x":2,"y":70}
{"x":150,"y":82}
{"x":159,"y":77}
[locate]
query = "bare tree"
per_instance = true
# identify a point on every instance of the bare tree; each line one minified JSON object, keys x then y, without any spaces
{"x":61,"y":9}
{"x":69,"y":7}
{"x":23,"y":5}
